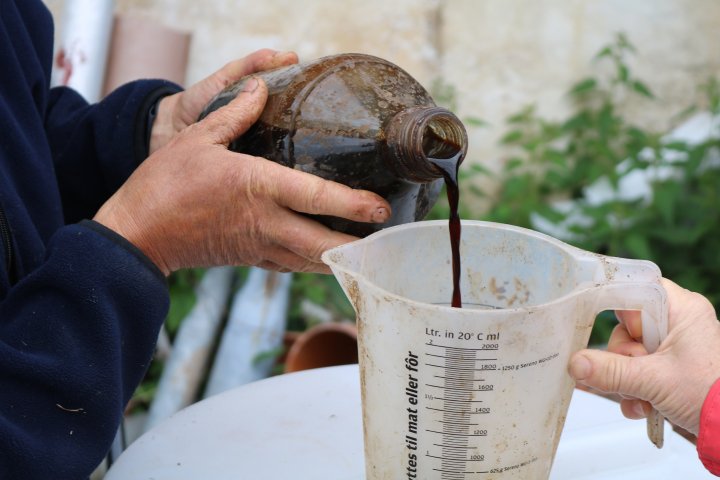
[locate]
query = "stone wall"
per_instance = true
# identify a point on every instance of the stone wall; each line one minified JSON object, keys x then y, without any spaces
{"x":498,"y":55}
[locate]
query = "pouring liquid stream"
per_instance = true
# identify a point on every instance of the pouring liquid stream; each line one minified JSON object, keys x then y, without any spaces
{"x":450,"y":167}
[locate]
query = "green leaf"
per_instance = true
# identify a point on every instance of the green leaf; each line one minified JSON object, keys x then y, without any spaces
{"x":513,"y":136}
{"x":623,"y":42}
{"x":583,"y":86}
{"x":268,"y":355}
{"x":638,"y":246}
{"x":476,"y":167}
{"x":642,"y":89}
{"x":550,"y":213}
{"x":580,"y":121}
{"x":684,"y":114}
{"x":475,"y":190}
{"x":712,"y":92}
{"x":181,"y":285}
{"x":605,"y":52}
{"x":602,"y":328}
{"x":606,"y":119}
{"x":678,"y":236}
{"x":555,"y":179}
{"x":475,"y":122}
{"x":524,"y":116}
{"x":513,"y":164}
{"x":556,"y":158}
{"x":622,"y":73}
{"x":518,"y":186}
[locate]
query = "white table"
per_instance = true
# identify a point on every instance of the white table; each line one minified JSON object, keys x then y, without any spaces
{"x":307,"y":425}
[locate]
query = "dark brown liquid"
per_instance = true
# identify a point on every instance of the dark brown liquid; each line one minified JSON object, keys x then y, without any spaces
{"x":450,"y":167}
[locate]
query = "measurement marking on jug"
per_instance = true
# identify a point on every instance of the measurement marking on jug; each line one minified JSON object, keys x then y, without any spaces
{"x":466,"y":447}
{"x":459,"y":400}
{"x":454,"y":413}
{"x":443,"y":356}
{"x":480,"y":388}
{"x":456,"y":423}
{"x":485,"y":367}
{"x":459,"y":434}
{"x":459,"y":459}
{"x":463,"y":412}
{"x":456,"y":472}
{"x":457,"y":358}
{"x":485,"y":347}
{"x":454,"y":449}
{"x":455,"y":377}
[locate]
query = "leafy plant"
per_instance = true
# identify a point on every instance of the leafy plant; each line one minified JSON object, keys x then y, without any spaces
{"x":181,"y":285}
{"x":555,"y":160}
{"x":557,"y":164}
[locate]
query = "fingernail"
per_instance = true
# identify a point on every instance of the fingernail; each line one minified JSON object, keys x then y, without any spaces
{"x":580,"y":367}
{"x":380,"y":215}
{"x":251,"y":84}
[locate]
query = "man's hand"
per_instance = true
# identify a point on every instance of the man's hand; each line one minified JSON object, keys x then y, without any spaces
{"x":675,"y":379}
{"x":195,"y":203}
{"x":175,"y":112}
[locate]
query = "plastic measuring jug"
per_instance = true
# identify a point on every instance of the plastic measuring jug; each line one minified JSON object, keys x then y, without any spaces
{"x":479,"y":392}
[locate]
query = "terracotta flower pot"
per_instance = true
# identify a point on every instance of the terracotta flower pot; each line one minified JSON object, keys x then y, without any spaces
{"x":323,"y":345}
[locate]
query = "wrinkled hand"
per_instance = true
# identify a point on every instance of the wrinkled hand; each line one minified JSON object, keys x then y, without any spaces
{"x":675,"y":379}
{"x":175,"y":112}
{"x":195,"y":203}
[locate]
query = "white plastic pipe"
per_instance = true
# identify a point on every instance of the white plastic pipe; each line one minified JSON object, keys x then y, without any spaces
{"x":81,"y":57}
{"x":256,"y":325}
{"x":190,"y":355}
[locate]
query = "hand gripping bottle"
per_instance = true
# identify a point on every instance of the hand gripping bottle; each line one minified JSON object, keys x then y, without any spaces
{"x":357,"y":120}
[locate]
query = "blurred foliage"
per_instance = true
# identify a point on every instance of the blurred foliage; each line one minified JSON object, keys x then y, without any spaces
{"x":182,"y":286}
{"x":322,"y":290}
{"x":676,"y":225}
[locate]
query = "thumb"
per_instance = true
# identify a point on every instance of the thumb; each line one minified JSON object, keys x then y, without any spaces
{"x":232,"y":120}
{"x":610,"y":372}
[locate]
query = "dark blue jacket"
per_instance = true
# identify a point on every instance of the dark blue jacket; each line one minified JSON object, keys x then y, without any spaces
{"x":80,"y":308}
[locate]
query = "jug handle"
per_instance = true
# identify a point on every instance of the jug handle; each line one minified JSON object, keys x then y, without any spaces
{"x":650,"y":298}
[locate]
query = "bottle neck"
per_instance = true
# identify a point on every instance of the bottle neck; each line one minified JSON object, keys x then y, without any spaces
{"x":417,"y":136}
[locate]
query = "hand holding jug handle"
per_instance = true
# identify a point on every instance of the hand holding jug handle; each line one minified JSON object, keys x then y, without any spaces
{"x":650,"y":298}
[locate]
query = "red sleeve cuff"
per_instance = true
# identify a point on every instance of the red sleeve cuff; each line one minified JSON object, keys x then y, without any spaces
{"x":708,"y":444}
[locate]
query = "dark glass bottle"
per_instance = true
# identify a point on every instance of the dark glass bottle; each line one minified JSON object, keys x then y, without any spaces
{"x":358,"y":120}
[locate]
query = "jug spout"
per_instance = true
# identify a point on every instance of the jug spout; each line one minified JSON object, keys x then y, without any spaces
{"x":346,"y":263}
{"x":344,"y":259}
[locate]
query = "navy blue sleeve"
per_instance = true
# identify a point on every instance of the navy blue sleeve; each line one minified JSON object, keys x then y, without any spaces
{"x":76,"y":338}
{"x":96,"y":147}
